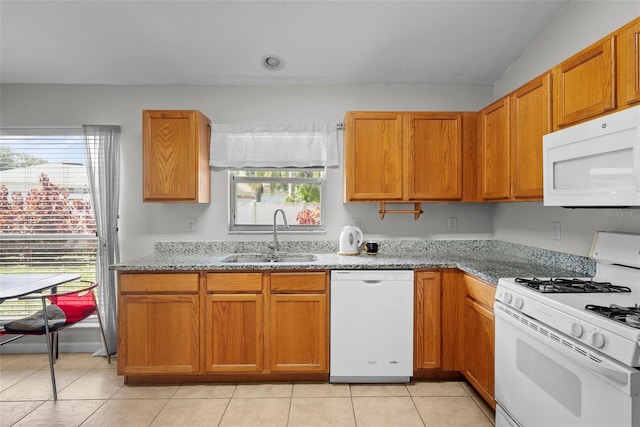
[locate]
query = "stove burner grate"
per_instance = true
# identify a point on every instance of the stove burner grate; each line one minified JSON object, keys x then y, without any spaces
{"x":562,"y":285}
{"x":630,"y":316}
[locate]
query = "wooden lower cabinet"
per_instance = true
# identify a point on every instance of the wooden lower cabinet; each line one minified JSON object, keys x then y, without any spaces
{"x":233,"y":333}
{"x":272,"y":322}
{"x":479,"y":337}
{"x":427,"y":347}
{"x":438,"y":320}
{"x":158,"y":324}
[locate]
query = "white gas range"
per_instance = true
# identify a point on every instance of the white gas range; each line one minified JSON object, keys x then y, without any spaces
{"x":568,"y":350}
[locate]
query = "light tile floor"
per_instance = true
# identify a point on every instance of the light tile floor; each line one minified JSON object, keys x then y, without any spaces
{"x":91,"y":394}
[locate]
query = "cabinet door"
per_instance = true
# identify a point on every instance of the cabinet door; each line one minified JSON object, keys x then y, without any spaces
{"x":373,"y":156}
{"x":433,"y":156}
{"x":427,"y":312}
{"x":530,"y":119}
{"x":175,"y":156}
{"x":298,"y":338}
{"x":158,"y":334}
{"x":479,"y":349}
{"x":494,"y":151}
{"x":234,"y":333}
{"x":584,"y":85}
{"x":631,"y":68}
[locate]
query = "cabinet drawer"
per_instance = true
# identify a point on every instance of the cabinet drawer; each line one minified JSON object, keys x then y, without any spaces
{"x":299,"y":282}
{"x":234,"y":282}
{"x":159,"y":282}
{"x":482,"y":292}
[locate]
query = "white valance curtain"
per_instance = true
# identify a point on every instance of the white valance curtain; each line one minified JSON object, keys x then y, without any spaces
{"x":274,"y":146}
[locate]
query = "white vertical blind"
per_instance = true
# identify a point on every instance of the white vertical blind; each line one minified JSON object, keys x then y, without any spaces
{"x":46,"y":217}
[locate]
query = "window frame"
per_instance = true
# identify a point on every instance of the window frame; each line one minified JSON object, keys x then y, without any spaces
{"x":234,"y":179}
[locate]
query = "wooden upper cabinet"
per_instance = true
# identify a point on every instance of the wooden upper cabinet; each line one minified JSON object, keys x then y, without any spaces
{"x":176,"y":156}
{"x":584,"y":86}
{"x":405,"y":156}
{"x":530,"y":119}
{"x":373,"y":156}
{"x":494,"y":152}
{"x":433,"y":156}
{"x":630,"y":69}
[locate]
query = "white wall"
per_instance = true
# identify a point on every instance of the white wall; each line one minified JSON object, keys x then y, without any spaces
{"x":578,"y":25}
{"x":142,"y":224}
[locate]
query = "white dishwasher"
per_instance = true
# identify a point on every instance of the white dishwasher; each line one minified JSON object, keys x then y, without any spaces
{"x":371,"y":326}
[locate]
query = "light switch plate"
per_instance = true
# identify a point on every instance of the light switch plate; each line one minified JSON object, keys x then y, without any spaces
{"x":555,"y":231}
{"x":452,"y":224}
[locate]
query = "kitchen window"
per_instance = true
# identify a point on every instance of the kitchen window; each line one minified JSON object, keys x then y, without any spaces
{"x":255,"y":194}
{"x":46,"y":215}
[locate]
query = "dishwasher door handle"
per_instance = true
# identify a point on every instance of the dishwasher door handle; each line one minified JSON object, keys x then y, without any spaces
{"x":372,"y":282}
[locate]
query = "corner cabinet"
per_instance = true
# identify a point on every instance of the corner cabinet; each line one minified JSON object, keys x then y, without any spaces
{"x":176,"y":156}
{"x":494,"y":153}
{"x":510,"y":152}
{"x":158,"y":323}
{"x":479,"y":337}
{"x":408,"y":156}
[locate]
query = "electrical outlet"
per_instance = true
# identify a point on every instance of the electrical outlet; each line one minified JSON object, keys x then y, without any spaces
{"x":191,"y":225}
{"x":354,"y":221}
{"x":452,"y":224}
{"x":555,"y":231}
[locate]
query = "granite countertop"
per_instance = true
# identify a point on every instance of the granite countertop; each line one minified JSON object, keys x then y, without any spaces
{"x":488,"y":260}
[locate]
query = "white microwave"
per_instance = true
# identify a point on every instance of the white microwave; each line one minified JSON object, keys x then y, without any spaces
{"x":594,"y":164}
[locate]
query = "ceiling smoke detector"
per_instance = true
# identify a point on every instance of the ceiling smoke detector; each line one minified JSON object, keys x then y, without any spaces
{"x":272,"y":62}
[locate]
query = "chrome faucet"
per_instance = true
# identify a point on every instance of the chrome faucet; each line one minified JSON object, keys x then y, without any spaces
{"x":274,"y":244}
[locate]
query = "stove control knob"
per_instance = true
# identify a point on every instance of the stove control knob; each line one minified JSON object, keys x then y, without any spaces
{"x":507,"y":297}
{"x":518,"y":303}
{"x":597,"y":340}
{"x":576,"y":329}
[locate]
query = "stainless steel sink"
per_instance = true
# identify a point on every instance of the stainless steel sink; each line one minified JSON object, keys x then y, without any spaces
{"x":295,"y":258}
{"x":254,"y":259}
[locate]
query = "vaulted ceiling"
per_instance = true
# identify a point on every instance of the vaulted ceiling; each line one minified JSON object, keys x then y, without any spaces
{"x":224,"y":42}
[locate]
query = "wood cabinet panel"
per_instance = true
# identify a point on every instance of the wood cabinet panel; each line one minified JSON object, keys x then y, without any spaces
{"x":234,"y":282}
{"x":494,"y":151}
{"x":159,"y":282}
{"x":479,"y":336}
{"x":298,"y":333}
{"x":373,"y":156}
{"x":584,"y":85}
{"x":158,"y":334}
{"x":479,"y":349}
{"x":299,"y":282}
{"x":433,"y":156}
{"x":234,"y":328}
{"x":176,"y":156}
{"x":631,"y":63}
{"x":452,"y":320}
{"x":530,"y":119}
{"x":427,"y":320}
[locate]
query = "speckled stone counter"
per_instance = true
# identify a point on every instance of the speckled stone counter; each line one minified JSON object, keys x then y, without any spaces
{"x":487,"y":259}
